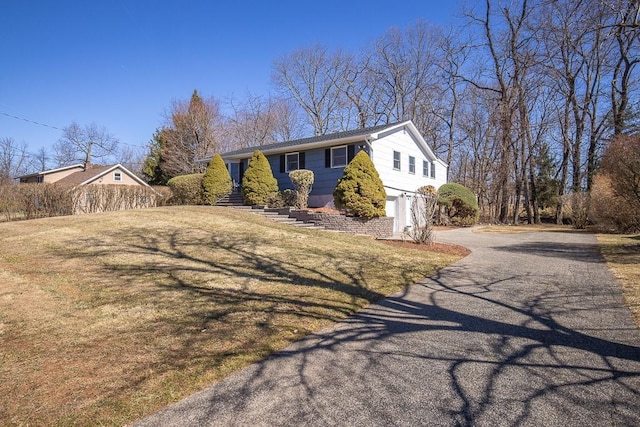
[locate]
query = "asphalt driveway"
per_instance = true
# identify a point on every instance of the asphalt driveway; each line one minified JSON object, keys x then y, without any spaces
{"x":527,"y":330}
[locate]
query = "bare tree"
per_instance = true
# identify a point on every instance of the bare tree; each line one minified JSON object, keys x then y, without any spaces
{"x":132,"y":157}
{"x":258,"y":121}
{"x":41,"y":159}
{"x":84,"y":145}
{"x":626,"y":29}
{"x":308,"y":76}
{"x":14,"y":160}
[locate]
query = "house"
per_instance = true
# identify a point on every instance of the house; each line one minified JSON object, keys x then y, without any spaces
{"x":98,"y":188}
{"x":79,"y":174}
{"x":400,"y":154}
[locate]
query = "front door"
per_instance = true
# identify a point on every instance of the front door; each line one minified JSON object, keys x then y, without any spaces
{"x":234,"y":172}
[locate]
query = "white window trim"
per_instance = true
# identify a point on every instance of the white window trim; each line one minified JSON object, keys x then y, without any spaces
{"x":117,"y":176}
{"x":414,"y":165}
{"x":286,"y":161}
{"x":425,"y":170}
{"x":433,"y":170}
{"x":399,"y":161}
{"x":346,"y":156}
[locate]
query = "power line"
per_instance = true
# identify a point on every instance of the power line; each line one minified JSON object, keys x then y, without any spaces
{"x":30,"y":121}
{"x":57,"y":128}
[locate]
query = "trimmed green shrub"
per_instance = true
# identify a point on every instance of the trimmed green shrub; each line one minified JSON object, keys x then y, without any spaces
{"x":186,"y":189}
{"x":216,"y":182}
{"x":282,"y":199}
{"x":302,"y":180}
{"x":258,"y":183}
{"x":459,"y":203}
{"x":360,"y":191}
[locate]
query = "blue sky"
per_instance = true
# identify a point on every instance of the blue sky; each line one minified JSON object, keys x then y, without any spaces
{"x":120,"y":63}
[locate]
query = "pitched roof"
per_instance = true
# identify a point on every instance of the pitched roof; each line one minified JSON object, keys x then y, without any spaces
{"x":94,"y":172}
{"x":76,"y":166}
{"x":312,"y":140}
{"x":83,"y":176}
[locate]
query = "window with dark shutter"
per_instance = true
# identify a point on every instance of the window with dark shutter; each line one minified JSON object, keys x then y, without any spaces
{"x":292,"y":162}
{"x":339,"y":156}
{"x":327,"y":158}
{"x":282,"y":163}
{"x":302,"y":160}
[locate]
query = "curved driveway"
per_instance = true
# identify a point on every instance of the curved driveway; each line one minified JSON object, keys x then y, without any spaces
{"x":528,"y":330}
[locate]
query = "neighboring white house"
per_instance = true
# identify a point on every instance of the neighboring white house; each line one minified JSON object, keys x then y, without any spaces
{"x":399,"y":152}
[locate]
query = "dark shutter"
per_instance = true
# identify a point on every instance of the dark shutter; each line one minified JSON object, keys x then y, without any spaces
{"x":283,"y":162}
{"x":301,"y":160}
{"x":350,"y":152}
{"x":327,"y":158}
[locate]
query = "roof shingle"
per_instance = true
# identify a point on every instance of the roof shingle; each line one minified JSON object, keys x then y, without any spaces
{"x":311,"y":140}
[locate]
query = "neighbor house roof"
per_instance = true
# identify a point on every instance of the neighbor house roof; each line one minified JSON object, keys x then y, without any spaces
{"x":31,"y":175}
{"x":320,"y":140}
{"x":94,"y":173}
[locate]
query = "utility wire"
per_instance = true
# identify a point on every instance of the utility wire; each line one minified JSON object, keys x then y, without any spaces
{"x":30,"y":121}
{"x":57,"y":128}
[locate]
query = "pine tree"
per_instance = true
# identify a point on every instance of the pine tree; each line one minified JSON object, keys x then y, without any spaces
{"x":217,"y":181}
{"x":360,"y":191}
{"x":258,"y":183}
{"x":152,"y":166}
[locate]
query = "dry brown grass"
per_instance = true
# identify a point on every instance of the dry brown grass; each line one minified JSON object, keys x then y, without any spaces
{"x":105,"y":318}
{"x":622,"y":253}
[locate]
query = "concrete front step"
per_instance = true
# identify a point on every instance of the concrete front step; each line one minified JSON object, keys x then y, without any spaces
{"x":281,"y":215}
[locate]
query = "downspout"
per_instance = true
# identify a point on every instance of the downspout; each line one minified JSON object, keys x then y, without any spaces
{"x":367,"y":140}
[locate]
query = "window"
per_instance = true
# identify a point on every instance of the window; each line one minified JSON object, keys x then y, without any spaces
{"x":433,"y":170}
{"x":412,"y":165}
{"x":339,"y":156}
{"x":117,"y":176}
{"x":425,"y":168}
{"x":396,"y":160}
{"x":292,"y":162}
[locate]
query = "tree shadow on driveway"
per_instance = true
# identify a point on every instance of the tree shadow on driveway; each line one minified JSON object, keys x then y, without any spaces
{"x":441,"y":354}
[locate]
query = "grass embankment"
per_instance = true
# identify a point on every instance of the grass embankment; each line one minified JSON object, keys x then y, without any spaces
{"x":105,"y":318}
{"x":622,"y":253}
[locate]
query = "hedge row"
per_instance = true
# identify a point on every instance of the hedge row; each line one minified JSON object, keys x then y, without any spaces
{"x":29,"y":201}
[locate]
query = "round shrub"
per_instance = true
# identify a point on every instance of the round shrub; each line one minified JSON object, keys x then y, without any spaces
{"x":216,"y":182}
{"x":459,"y":203}
{"x":302,"y":180}
{"x":186,"y":189}
{"x":360,"y":191}
{"x":282,"y":199}
{"x":258,"y":183}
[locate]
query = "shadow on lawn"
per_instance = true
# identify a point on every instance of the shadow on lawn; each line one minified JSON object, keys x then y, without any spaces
{"x":475,"y":357}
{"x":470,"y":355}
{"x":181,"y":269}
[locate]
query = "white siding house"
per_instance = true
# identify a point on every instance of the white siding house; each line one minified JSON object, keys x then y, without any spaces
{"x":400,"y":154}
{"x":405,"y":163}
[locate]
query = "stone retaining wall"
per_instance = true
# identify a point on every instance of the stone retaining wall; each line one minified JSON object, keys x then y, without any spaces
{"x":379,"y":228}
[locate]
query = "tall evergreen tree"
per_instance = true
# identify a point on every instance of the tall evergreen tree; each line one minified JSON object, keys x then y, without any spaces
{"x":216,"y":182}
{"x":360,"y":191}
{"x":258,"y":183}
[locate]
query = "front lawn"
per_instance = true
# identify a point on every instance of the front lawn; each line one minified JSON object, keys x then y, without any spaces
{"x":105,"y":318}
